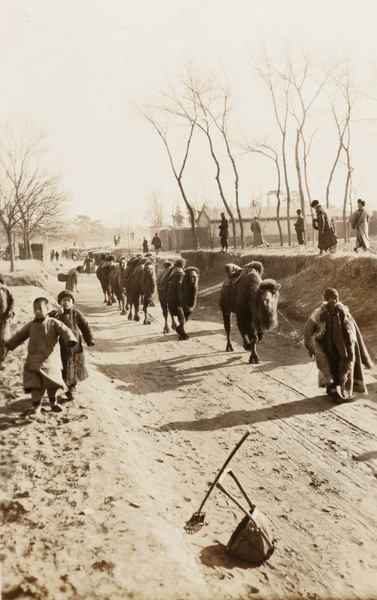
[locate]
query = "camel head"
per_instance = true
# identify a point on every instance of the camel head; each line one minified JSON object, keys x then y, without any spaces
{"x":192,"y":275}
{"x":122,"y":263}
{"x":267,"y":302}
{"x":150,"y":269}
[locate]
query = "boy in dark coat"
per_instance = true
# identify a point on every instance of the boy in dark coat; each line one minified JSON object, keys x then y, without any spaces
{"x":43,"y":365}
{"x":6,"y":313}
{"x":74,"y":368}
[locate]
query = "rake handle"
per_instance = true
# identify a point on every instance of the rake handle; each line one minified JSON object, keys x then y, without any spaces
{"x":213,"y":484}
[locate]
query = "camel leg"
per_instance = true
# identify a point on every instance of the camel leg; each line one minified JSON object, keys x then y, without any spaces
{"x":165,"y":315}
{"x":130,"y":313}
{"x":182,"y":335}
{"x":254,"y":358}
{"x":145,"y":309}
{"x":136,"y":308}
{"x":227,"y":327}
{"x":173,"y":323}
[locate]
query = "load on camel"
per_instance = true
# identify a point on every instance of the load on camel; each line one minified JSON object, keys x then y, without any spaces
{"x":118,"y":284}
{"x":106,"y":266}
{"x":253,"y":300}
{"x":140,"y":281}
{"x":177,"y":289}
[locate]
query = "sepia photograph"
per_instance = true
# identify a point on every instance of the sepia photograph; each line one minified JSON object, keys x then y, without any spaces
{"x":188,"y":307}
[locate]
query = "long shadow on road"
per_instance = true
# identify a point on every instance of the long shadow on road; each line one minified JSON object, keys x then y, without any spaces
{"x":308,"y":406}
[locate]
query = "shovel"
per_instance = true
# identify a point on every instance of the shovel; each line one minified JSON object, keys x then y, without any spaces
{"x":196,"y":522}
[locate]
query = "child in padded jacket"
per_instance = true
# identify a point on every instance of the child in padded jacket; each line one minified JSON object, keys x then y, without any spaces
{"x":43,"y":365}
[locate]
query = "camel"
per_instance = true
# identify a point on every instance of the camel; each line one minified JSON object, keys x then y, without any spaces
{"x":118,"y":284}
{"x":177,"y":291}
{"x":103,"y":274}
{"x":253,"y":300}
{"x":140,"y":280}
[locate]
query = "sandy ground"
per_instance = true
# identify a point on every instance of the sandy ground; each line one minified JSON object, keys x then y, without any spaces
{"x":94,"y":499}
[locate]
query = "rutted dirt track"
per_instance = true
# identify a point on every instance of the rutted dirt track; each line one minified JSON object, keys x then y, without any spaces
{"x":98,"y":495}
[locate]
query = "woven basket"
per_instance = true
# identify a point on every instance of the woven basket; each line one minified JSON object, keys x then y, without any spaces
{"x":62,"y":277}
{"x":251,"y":541}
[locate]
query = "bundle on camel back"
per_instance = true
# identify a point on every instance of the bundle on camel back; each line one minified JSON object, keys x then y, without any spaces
{"x":177,"y":289}
{"x":139,"y":278}
{"x":254,"y":302}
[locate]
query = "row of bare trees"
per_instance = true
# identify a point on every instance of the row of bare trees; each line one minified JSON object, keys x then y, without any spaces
{"x":31,"y":199}
{"x":307,"y":93}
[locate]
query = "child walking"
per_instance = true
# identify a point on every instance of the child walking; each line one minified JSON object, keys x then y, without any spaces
{"x":74,"y":367}
{"x":6,"y":313}
{"x":43,"y":365}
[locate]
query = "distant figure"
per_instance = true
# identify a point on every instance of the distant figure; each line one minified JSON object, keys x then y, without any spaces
{"x":257,"y":233}
{"x":327,"y":239}
{"x":118,"y":238}
{"x":57,"y":255}
{"x":300,"y":228}
{"x":115,"y":240}
{"x":333,"y":338}
{"x":87,"y":264}
{"x":145,"y":245}
{"x":224,"y":233}
{"x":359,"y":221}
{"x":73,"y":279}
{"x":43,"y":365}
{"x":156,"y":242}
{"x":52,"y":254}
{"x":6,"y":313}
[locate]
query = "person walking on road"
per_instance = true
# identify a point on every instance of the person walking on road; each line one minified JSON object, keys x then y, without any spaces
{"x":224,"y":233}
{"x":332,"y":336}
{"x":300,"y":228}
{"x":256,"y":229}
{"x":73,"y":359}
{"x":43,"y":365}
{"x":359,"y":221}
{"x":327,"y":239}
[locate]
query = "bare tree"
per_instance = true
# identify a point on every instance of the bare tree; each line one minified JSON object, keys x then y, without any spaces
{"x":162,"y":127}
{"x":221,"y":121}
{"x":35,"y":192}
{"x":10,"y":217}
{"x":301,"y":71}
{"x":155,"y":209}
{"x":269,"y":152}
{"x":278,"y":84}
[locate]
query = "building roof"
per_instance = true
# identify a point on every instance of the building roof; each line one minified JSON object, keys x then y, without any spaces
{"x":264,"y":212}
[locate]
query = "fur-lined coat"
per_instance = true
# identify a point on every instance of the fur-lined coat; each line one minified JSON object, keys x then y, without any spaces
{"x":43,"y":357}
{"x":338,"y":347}
{"x":74,"y":367}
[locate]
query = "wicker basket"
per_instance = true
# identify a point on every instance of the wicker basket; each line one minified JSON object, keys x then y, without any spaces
{"x":251,"y":541}
{"x":62,"y":277}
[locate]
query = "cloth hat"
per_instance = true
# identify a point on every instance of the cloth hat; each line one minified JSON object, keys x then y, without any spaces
{"x":314,"y":203}
{"x":65,"y":293}
{"x":331,"y":293}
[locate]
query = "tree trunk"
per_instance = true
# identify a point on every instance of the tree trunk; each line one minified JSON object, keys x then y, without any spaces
{"x":191,"y":213}
{"x":11,"y":250}
{"x":288,"y":192}
{"x":299,"y":178}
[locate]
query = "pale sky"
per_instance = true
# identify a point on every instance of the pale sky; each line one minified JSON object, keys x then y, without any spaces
{"x":75,"y":68}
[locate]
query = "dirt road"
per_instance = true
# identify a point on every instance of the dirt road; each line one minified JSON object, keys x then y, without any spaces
{"x":98,"y":495}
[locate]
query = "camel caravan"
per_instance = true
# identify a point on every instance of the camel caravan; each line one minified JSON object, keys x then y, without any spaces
{"x":132,"y":283}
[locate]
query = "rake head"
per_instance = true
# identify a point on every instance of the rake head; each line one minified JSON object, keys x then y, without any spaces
{"x":195,"y":524}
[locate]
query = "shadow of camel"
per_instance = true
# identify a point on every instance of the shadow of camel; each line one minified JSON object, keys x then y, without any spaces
{"x":307,"y":406}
